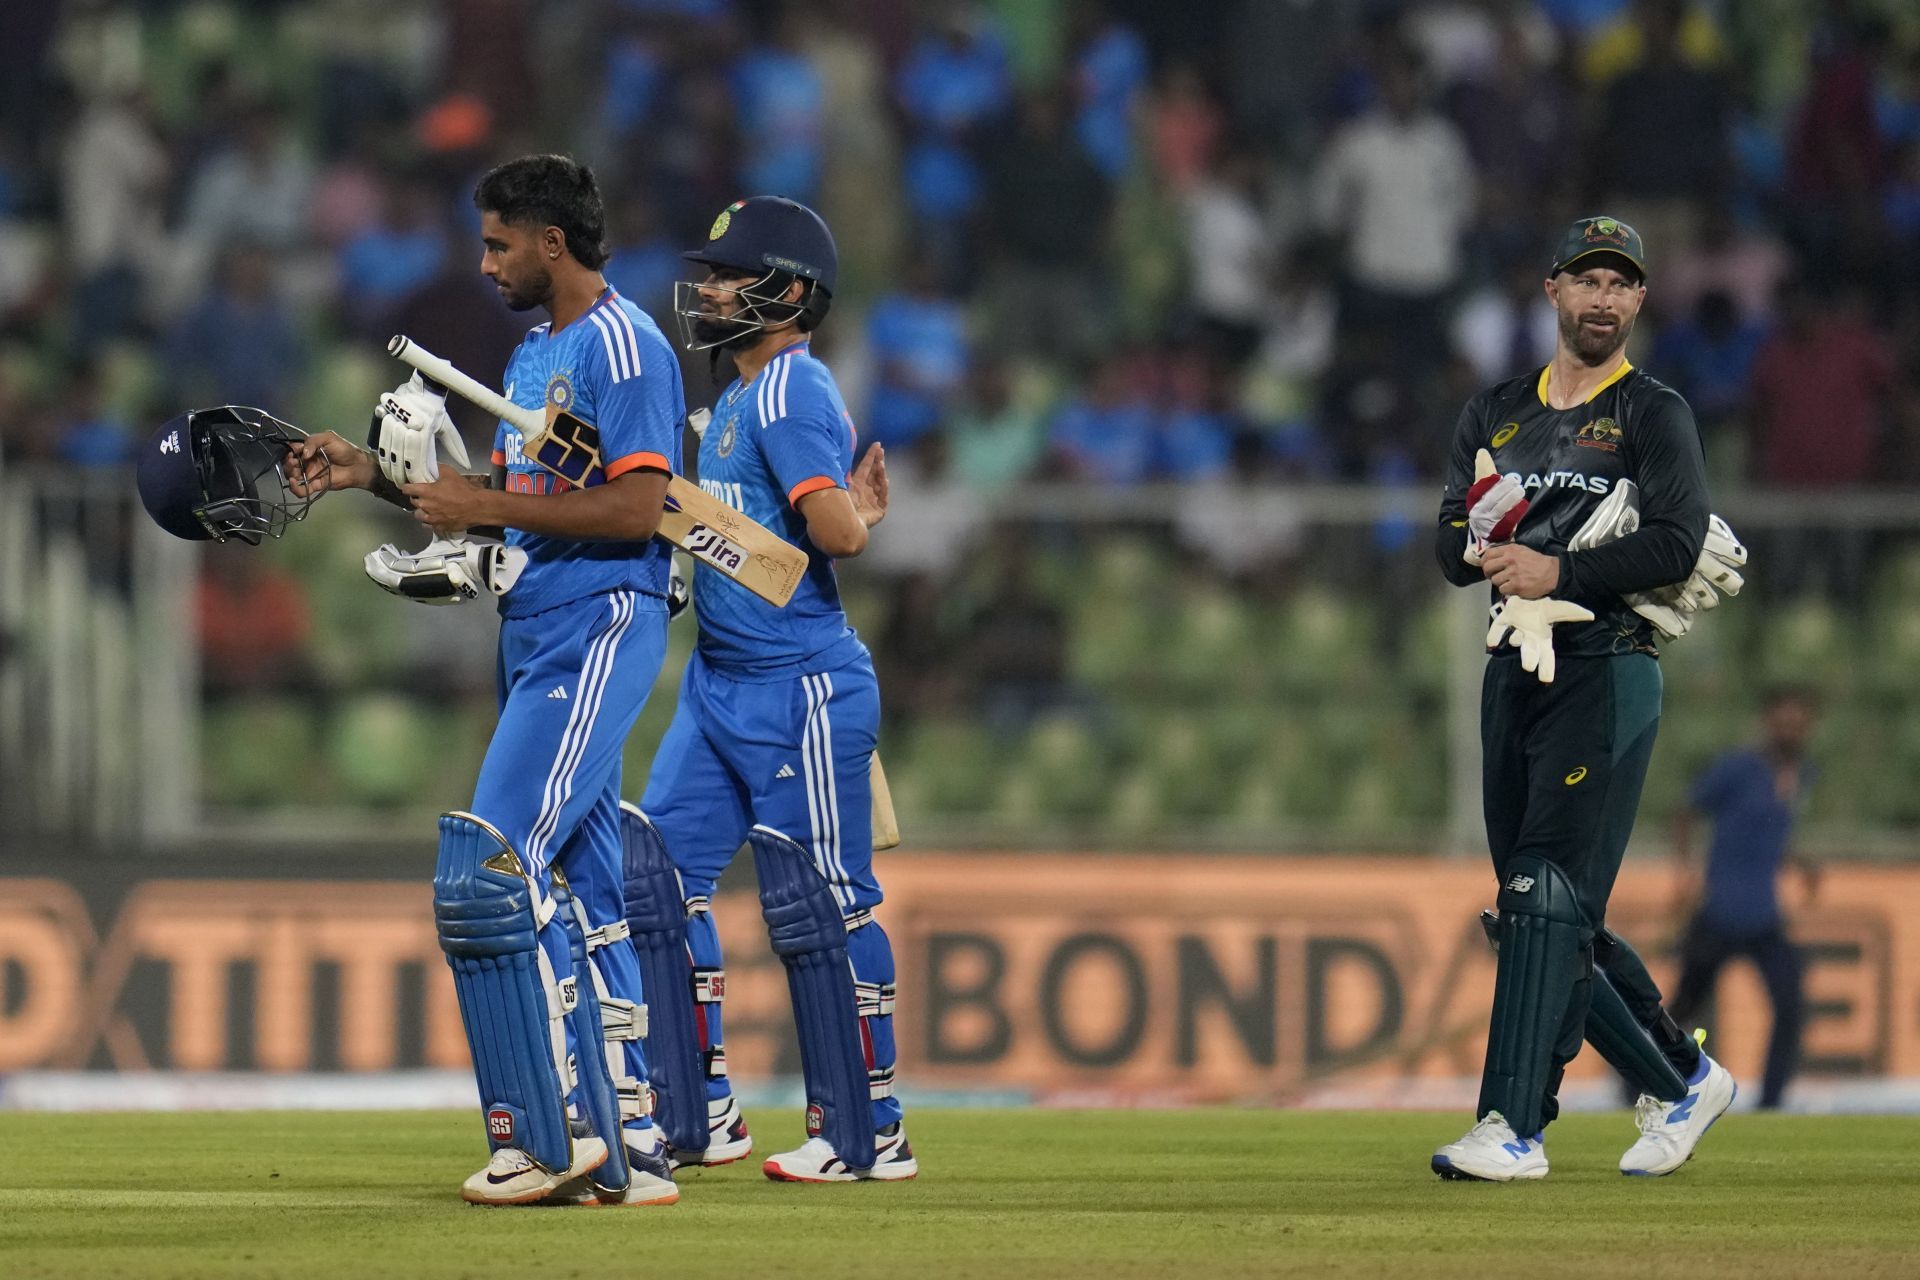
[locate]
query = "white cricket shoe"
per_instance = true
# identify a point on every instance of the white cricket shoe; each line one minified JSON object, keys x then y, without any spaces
{"x":814,"y":1161}
{"x":1669,"y":1131}
{"x":650,"y":1180}
{"x":1492,"y":1152}
{"x":727,"y":1136}
{"x":512,"y":1176}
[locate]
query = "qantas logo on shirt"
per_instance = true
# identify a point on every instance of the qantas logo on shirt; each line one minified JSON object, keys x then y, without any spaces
{"x":1564,"y":480}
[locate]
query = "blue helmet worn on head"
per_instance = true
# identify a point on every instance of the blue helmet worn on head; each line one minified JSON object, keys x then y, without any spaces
{"x":214,"y":474}
{"x":771,"y":233}
{"x":776,"y":241}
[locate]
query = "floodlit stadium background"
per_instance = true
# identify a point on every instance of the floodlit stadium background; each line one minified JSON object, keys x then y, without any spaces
{"x":1164,"y":315}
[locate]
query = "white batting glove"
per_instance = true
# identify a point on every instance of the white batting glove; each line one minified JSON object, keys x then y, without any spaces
{"x":447,"y":570}
{"x":1529,"y":624}
{"x":410,"y":426}
{"x":678,"y":596}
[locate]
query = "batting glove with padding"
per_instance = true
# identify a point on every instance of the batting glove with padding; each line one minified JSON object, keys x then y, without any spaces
{"x":447,"y":570}
{"x":410,"y":426}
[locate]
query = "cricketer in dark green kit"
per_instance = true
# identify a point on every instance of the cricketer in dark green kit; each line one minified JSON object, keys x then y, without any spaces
{"x":1568,"y":722}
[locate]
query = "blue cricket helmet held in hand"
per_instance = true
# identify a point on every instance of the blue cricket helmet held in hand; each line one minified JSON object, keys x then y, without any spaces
{"x":214,"y":474}
{"x":775,"y":240}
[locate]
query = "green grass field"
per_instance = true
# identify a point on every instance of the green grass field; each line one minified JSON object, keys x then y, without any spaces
{"x":1039,"y":1194}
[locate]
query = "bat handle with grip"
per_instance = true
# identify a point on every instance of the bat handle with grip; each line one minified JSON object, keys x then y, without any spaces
{"x":403,"y":348}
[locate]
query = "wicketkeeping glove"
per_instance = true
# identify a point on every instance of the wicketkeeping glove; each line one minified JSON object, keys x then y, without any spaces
{"x":1529,"y":624}
{"x":1494,"y":506}
{"x":447,"y":570}
{"x":410,"y":425}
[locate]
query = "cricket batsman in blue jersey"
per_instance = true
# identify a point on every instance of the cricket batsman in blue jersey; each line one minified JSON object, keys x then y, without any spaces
{"x":528,"y":893}
{"x":773,"y":738}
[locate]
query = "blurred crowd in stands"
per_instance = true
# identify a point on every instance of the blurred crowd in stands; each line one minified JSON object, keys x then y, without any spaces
{"x":1116,"y":241}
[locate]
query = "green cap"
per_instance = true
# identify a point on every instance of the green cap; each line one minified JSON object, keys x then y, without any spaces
{"x":1600,"y":234}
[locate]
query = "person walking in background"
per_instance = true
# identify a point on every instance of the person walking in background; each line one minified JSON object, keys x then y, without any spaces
{"x":1752,"y":795}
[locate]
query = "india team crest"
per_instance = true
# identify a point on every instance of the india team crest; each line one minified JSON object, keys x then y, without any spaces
{"x":725,"y":220}
{"x":729,"y":435}
{"x":560,"y":392}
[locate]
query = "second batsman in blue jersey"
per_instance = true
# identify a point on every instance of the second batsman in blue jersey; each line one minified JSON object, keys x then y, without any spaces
{"x":529,"y":888}
{"x":773,"y":738}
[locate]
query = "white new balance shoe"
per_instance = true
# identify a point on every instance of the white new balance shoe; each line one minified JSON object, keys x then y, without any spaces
{"x":1492,"y":1152}
{"x":727,"y":1136}
{"x":649,"y":1182}
{"x":1669,"y":1131}
{"x":512,"y":1177}
{"x":814,"y":1161}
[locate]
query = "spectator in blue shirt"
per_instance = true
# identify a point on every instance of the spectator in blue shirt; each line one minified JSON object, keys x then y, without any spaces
{"x":1710,"y":353}
{"x":782,"y":101}
{"x":919,"y":342}
{"x":959,"y":78}
{"x":1109,"y":433}
{"x":1752,"y":796}
{"x":1109,"y":72}
{"x":1195,"y":437}
{"x":239,"y":344}
{"x":646,"y":260}
{"x":382,"y":265}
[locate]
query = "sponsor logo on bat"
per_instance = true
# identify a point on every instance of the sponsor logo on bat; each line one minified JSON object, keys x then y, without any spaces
{"x":716,"y":549}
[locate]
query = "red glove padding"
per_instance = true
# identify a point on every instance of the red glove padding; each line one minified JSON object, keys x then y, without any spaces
{"x":1495,"y":506}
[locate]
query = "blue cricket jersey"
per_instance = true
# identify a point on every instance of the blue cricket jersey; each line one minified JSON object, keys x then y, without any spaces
{"x":1751,"y":824}
{"x":613,"y":368}
{"x":772,"y":442}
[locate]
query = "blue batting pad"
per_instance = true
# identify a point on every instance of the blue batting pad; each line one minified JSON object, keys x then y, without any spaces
{"x":810,"y":937}
{"x":488,"y":914}
{"x":597,"y":1094}
{"x":657,"y":915}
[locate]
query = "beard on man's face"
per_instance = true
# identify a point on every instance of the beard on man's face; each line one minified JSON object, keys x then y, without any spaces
{"x":536,"y":291}
{"x":724,"y":331}
{"x":1593,"y":344}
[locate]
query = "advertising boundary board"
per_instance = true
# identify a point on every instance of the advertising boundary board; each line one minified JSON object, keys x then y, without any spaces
{"x":1063,"y":978}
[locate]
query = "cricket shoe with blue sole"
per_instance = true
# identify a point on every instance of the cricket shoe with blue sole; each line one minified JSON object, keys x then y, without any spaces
{"x":1492,"y":1152}
{"x":513,"y":1177}
{"x":1669,"y":1131}
{"x":727,"y":1137}
{"x":649,"y":1180}
{"x":814,"y":1161}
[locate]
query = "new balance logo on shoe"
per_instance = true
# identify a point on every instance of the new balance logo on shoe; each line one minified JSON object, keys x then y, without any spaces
{"x":560,"y":692}
{"x":1520,"y":884}
{"x":786,"y":771}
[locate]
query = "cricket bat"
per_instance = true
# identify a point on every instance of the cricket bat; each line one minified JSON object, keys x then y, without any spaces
{"x":886,"y":827}
{"x":695,"y":521}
